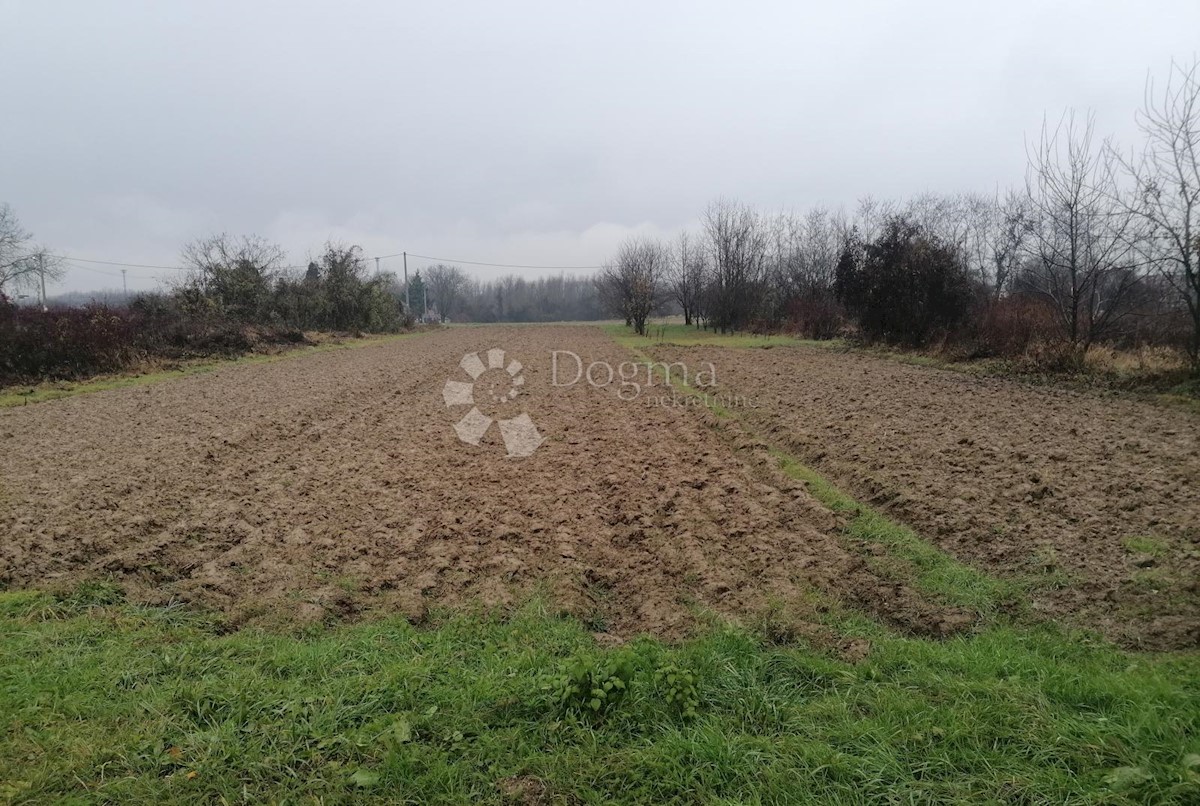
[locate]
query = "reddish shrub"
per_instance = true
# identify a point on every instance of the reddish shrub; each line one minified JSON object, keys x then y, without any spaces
{"x":815,"y":318}
{"x":78,"y":342}
{"x":1009,"y":327}
{"x":65,"y":342}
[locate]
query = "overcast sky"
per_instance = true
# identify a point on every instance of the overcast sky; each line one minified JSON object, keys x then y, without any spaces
{"x":533,"y":133}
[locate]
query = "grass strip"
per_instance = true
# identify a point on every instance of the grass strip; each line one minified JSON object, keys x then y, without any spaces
{"x":105,"y":702}
{"x":934,"y":571}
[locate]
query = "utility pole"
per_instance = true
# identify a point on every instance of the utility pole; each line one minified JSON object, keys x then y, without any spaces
{"x":42,"y":271}
{"x":376,"y":267}
{"x":125,"y":284}
{"x":407,"y":298}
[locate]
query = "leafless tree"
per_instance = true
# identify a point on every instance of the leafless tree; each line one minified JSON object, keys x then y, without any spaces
{"x":630,"y":286}
{"x":689,"y":270}
{"x":784,"y":236}
{"x":1007,"y":233}
{"x":821,"y":243}
{"x":1081,"y":237}
{"x":955,"y":220}
{"x":23,"y":264}
{"x":990,"y":232}
{"x":871,"y":216}
{"x":737,"y":243}
{"x":14,"y":242}
{"x":612,"y":290}
{"x":1166,"y":177}
{"x":446,"y":286}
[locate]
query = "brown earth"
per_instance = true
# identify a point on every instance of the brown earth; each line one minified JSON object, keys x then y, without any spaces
{"x":332,"y":484}
{"x":1094,"y":501}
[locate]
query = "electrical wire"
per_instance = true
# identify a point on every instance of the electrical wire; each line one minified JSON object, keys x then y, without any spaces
{"x":76,"y":261}
{"x":112,"y":273}
{"x":379,"y":257}
{"x":129,"y":265}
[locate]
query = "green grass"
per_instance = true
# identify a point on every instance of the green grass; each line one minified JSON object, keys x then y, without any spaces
{"x":104,"y":702}
{"x":25,"y":395}
{"x":929,"y":568}
{"x":934,"y":570}
{"x":1182,"y":396}
{"x":1146,"y":544}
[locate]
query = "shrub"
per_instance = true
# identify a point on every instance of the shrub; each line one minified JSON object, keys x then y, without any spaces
{"x":65,"y":342}
{"x":679,"y":689}
{"x":68,"y":343}
{"x":336,"y":294}
{"x":815,"y":317}
{"x":1009,"y":327}
{"x":237,"y":300}
{"x":904,"y":287}
{"x":592,"y":687}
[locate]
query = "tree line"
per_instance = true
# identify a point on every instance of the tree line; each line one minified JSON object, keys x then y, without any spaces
{"x":245,"y":280}
{"x":235,"y":295}
{"x":1098,"y":245}
{"x":454,"y":295}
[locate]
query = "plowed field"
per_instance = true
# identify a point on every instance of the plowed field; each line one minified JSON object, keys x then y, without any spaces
{"x":1092,"y":501}
{"x":334,"y":484}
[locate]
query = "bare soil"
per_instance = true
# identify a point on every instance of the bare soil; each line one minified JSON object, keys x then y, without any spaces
{"x":1092,"y":500}
{"x":333,"y":484}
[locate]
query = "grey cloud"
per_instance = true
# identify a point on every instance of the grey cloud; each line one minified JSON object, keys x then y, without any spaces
{"x":528,"y":132}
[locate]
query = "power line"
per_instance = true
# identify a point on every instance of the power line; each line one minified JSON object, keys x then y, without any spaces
{"x":97,"y":271}
{"x":127,"y":265}
{"x":112,"y":273}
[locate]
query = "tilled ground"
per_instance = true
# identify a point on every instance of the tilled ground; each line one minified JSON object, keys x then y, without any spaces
{"x":334,"y":483}
{"x":1094,"y":501}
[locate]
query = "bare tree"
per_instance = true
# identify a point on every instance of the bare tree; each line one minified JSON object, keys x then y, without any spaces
{"x":737,"y":243}
{"x":784,"y":237}
{"x":990,"y":233}
{"x":630,"y":286}
{"x":1166,"y":178}
{"x":821,"y":244}
{"x":955,"y":220}
{"x":1007,"y":233}
{"x":14,"y":242}
{"x":871,"y":216}
{"x":23,"y":264}
{"x":446,"y":286}
{"x":686,"y":278}
{"x":612,"y":290}
{"x":1081,"y":237}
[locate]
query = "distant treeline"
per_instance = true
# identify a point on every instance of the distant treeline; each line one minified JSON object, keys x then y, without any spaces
{"x":455,"y":296}
{"x":1100,"y":246}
